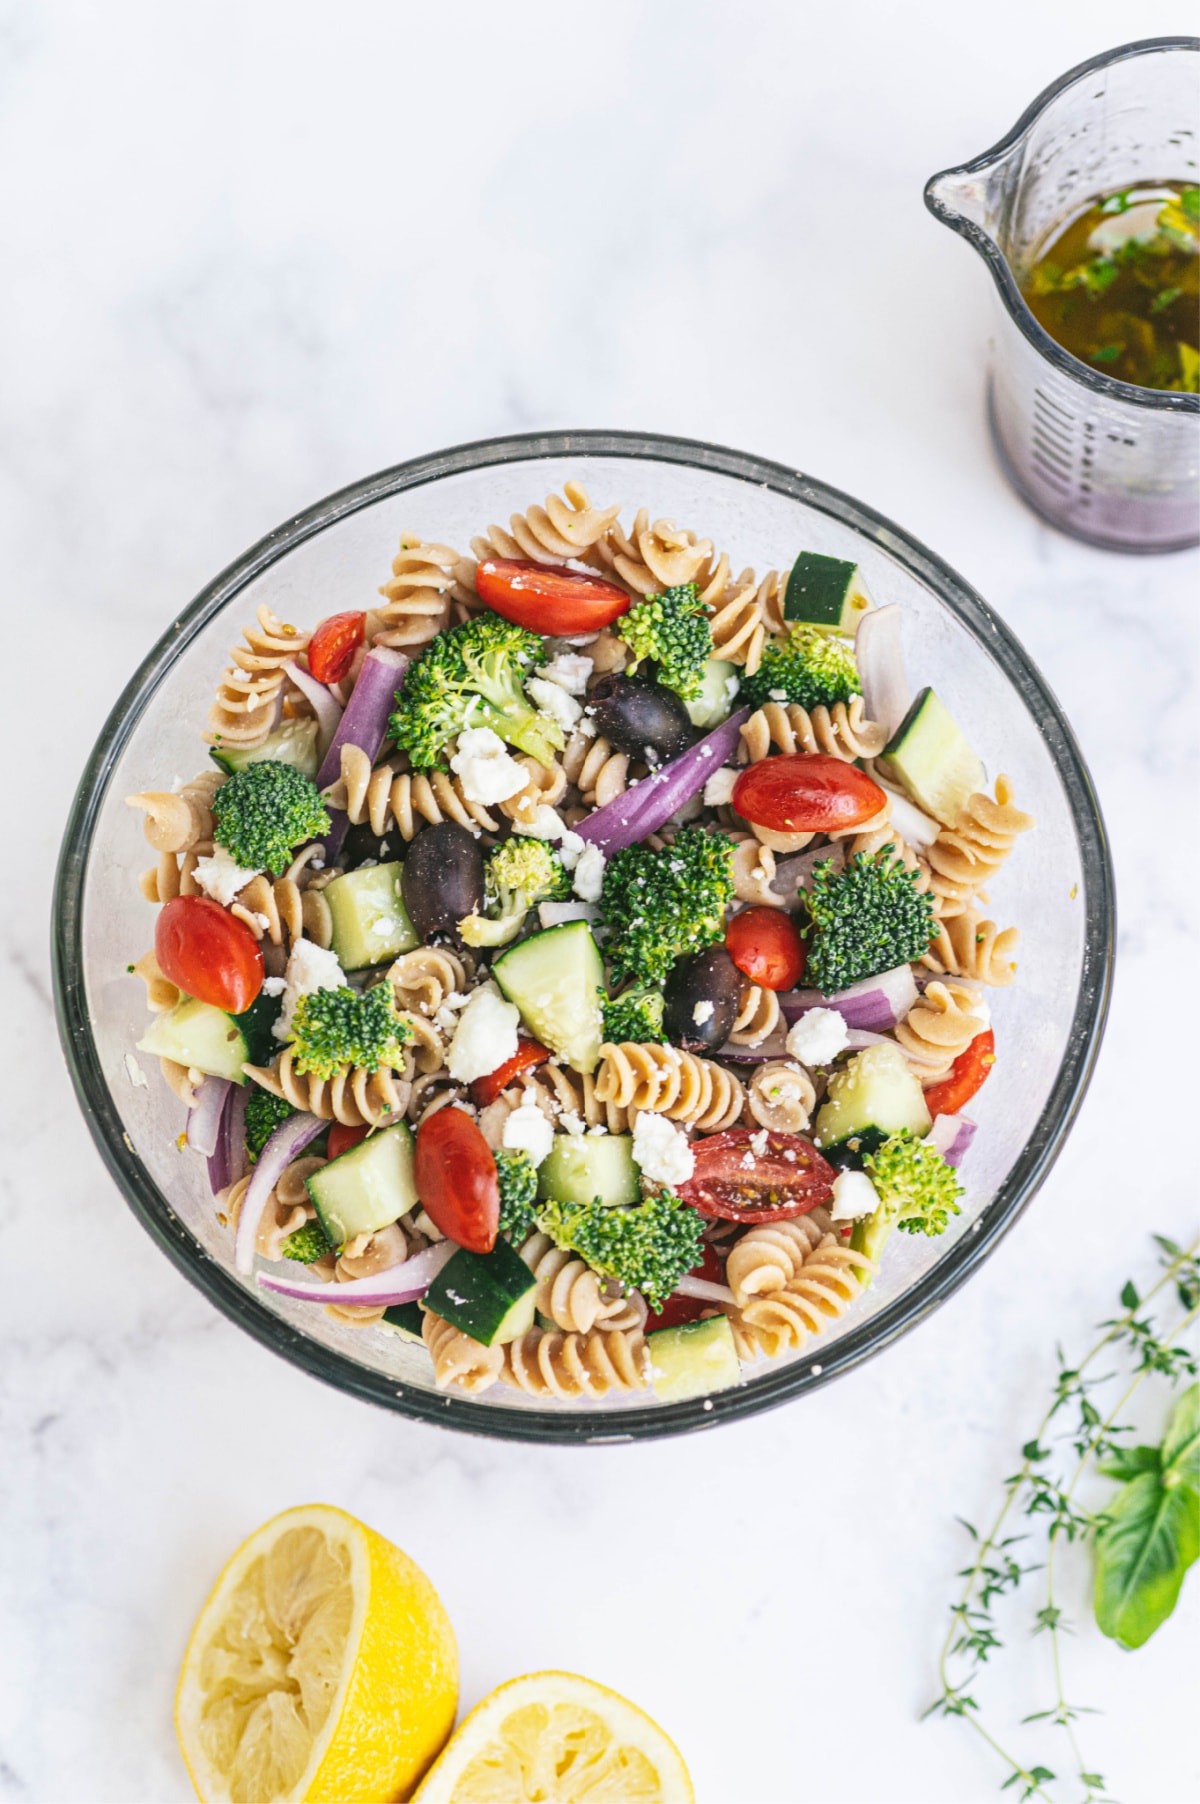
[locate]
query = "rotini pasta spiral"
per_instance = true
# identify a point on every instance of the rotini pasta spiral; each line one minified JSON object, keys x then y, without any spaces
{"x":966,"y":945}
{"x":549,"y":1363}
{"x":573,"y":1296}
{"x":417,"y":596}
{"x":389,"y":793}
{"x":363,"y":1258}
{"x":567,"y":527}
{"x":248,"y":694}
{"x":356,"y":1097}
{"x":653,"y":556}
{"x":422,"y":979}
{"x":597,"y":769}
{"x":161,"y":993}
{"x":736,"y":618}
{"x":457,"y":1359}
{"x":676,"y":1084}
{"x":279,"y":910}
{"x":781,"y":1096}
{"x":287,"y":1208}
{"x":174,"y":876}
{"x":179,"y":820}
{"x":829,"y":1280}
{"x":939,"y":1027}
{"x":873,"y":839}
{"x":968,"y":855}
{"x":758,"y":1015}
{"x":842,"y":731}
{"x":544,"y":787}
{"x":431,"y":1091}
{"x":184,"y":1080}
{"x":769,"y":1256}
{"x":754,"y":871}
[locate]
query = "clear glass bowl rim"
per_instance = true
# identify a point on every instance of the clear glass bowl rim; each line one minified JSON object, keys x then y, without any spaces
{"x":1160,"y":400}
{"x":774,"y":1386}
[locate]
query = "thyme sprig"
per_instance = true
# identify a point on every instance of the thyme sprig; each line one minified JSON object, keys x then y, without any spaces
{"x":1051,"y":1504}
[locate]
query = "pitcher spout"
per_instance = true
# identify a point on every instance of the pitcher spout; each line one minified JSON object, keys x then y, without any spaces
{"x":974,"y":198}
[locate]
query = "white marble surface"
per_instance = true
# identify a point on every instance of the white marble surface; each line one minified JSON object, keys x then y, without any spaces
{"x":252,"y":252}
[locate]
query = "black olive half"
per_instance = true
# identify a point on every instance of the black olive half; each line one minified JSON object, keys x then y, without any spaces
{"x":636,"y":715}
{"x":442,"y":880}
{"x":362,"y":845}
{"x":708,"y":981}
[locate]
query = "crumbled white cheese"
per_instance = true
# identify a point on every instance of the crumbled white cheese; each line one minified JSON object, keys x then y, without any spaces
{"x":661,"y":1150}
{"x":588,"y":878}
{"x":570,"y":670}
{"x":554,"y":701}
{"x":588,"y":727}
{"x":703,"y":1012}
{"x":273,"y":986}
{"x":719,"y":788}
{"x":732,"y":685}
{"x":528,"y":1131}
{"x":571,"y":1122}
{"x":543,"y":823}
{"x":134,"y":1073}
{"x":778,"y":695}
{"x":486,"y":1036}
{"x":854,"y":1195}
{"x":309,"y":968}
{"x":487,"y":771}
{"x":818,"y":1036}
{"x":758,"y":1143}
{"x":220,"y":878}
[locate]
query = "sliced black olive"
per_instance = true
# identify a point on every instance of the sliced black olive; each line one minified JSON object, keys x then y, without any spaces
{"x":362,"y":845}
{"x":710,"y":982}
{"x":442,"y":880}
{"x":635,"y":715}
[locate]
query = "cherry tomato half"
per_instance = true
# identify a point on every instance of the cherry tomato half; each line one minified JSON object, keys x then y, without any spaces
{"x":456,"y":1179}
{"x":806,"y":792}
{"x":677,"y":1310}
{"x":332,"y":647}
{"x":766,"y":947}
{"x":968,"y":1073}
{"x":342,"y":1138}
{"x":208,"y":953}
{"x":548,"y":599}
{"x":789,"y":1177}
{"x":529,"y":1054}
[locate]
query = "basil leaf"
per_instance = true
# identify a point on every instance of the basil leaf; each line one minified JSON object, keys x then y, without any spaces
{"x":1127,"y":1462}
{"x":1151,"y":1538}
{"x":1181,"y":1443}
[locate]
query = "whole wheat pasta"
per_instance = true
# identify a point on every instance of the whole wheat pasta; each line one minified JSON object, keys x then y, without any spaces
{"x":781,"y":1096}
{"x":767,"y":1257}
{"x":161,"y":993}
{"x":355,"y":1097}
{"x":389,"y":794}
{"x":829,"y":1280}
{"x":567,"y":527}
{"x":736,"y":621}
{"x":457,"y":1359}
{"x":548,"y":1363}
{"x":965,"y":857}
{"x":571,"y":1295}
{"x":431,"y":1091}
{"x":280,"y":910}
{"x":179,"y":820}
{"x":364,"y":1257}
{"x":422,"y":979}
{"x":754,"y":872}
{"x":940,"y":1027}
{"x":545,"y":786}
{"x":842,"y":731}
{"x":653,"y":556}
{"x":597,"y":769}
{"x":250,"y":691}
{"x":758,"y":1015}
{"x":559,"y":1092}
{"x":966,"y":945}
{"x":417,"y":597}
{"x":676,"y":1084}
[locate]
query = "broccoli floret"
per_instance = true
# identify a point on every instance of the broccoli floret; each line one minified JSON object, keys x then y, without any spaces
{"x":518,"y":1191}
{"x":261,"y":814}
{"x":335,"y":1028}
{"x":264,"y":1113}
{"x":307,"y":1243}
{"x":918,"y":1192}
{"x":865,"y":919}
{"x":472,"y":676}
{"x":516,"y":877}
{"x":636,"y":1014}
{"x":671,"y":631}
{"x":658,"y":906}
{"x":648,"y":1247}
{"x":806,"y":666}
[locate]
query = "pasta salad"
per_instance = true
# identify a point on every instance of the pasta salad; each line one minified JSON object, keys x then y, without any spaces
{"x":577,"y":962}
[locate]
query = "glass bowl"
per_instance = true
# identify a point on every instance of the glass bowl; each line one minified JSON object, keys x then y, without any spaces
{"x":332,"y":557}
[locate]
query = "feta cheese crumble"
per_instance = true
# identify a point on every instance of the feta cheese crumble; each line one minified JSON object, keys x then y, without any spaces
{"x":854,"y":1196}
{"x":661,"y":1151}
{"x":554,"y":701}
{"x":570,"y":670}
{"x":719,"y":788}
{"x":818,"y":1036}
{"x":309,"y":968}
{"x":588,"y":878}
{"x":487,"y":771}
{"x":220,"y":878}
{"x":485,"y":1037}
{"x":703,"y":1012}
{"x":528,"y":1131}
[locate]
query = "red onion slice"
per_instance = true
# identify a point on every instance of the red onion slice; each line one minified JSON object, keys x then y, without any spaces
{"x":234,"y":1138}
{"x":704,"y":1290}
{"x":402,"y":1283}
{"x":649,"y":805}
{"x":773,"y":1047}
{"x":915,"y":827}
{"x":952,"y":1135}
{"x":880,"y":658}
{"x":858,"y":1039}
{"x":363,"y":724}
{"x":325,"y":703}
{"x":794,"y":873}
{"x":204,"y":1117}
{"x":289,"y":1138}
{"x":874,"y":1004}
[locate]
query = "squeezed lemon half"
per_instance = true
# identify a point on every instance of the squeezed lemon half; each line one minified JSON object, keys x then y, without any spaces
{"x":554,"y":1738}
{"x":323,"y":1668}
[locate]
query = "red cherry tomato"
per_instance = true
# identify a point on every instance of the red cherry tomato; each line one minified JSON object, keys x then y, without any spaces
{"x":548,"y":599}
{"x":208,"y":953}
{"x":806,"y":792}
{"x":332,"y":647}
{"x":677,"y":1310}
{"x":456,"y":1179}
{"x":766,"y":947}
{"x":529,"y":1053}
{"x":789,"y":1177}
{"x":342,"y":1138}
{"x":967,"y":1074}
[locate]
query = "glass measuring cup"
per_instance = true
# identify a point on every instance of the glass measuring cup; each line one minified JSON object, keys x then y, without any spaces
{"x":1104,"y":460}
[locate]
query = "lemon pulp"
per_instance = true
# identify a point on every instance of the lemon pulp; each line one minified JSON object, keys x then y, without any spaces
{"x":562,"y":1755}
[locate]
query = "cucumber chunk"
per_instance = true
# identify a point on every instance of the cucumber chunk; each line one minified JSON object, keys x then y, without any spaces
{"x":370,"y":921}
{"x":874,"y":1095}
{"x":198,"y":1035}
{"x":295,"y":742}
{"x":486,"y":1295}
{"x":368,"y":1188}
{"x":929,"y":755}
{"x":826,"y":592}
{"x":719,"y":687}
{"x":585,"y":1168}
{"x":257,"y":1024}
{"x":554,"y":978}
{"x":693,"y":1360}
{"x":403,"y":1319}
